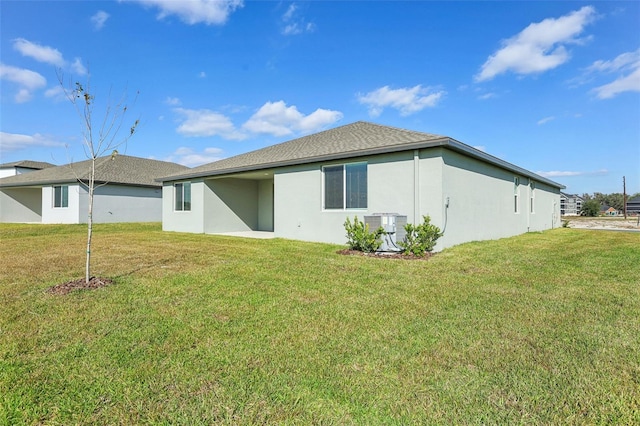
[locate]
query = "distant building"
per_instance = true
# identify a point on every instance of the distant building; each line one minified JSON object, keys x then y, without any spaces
{"x":633,"y":206}
{"x":606,"y":210}
{"x":24,"y":166}
{"x":570,"y":204}
{"x":126,"y":191}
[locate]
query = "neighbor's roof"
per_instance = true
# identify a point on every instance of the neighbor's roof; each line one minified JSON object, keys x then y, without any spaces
{"x":27,"y":164}
{"x":349,"y":141}
{"x":119,"y":169}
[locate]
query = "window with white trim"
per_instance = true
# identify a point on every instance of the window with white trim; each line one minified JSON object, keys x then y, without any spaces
{"x":345,"y":186}
{"x":532,"y":197}
{"x":182,"y":196}
{"x":60,"y":196}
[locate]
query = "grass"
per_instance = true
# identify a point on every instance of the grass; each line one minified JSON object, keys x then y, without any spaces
{"x":201,"y":329}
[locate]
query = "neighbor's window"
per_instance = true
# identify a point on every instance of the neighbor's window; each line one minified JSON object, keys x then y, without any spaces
{"x":182,"y":196}
{"x":532,"y":198}
{"x":345,"y":186}
{"x":61,"y":196}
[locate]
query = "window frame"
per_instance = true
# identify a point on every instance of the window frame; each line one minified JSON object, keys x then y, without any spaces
{"x":181,"y":204}
{"x":347,"y":192}
{"x":62,"y":198}
{"x":532,"y":197}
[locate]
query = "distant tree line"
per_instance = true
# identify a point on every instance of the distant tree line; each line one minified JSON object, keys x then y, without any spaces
{"x":592,"y":202}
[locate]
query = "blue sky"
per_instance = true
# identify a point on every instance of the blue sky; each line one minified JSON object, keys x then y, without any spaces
{"x":553,"y":87}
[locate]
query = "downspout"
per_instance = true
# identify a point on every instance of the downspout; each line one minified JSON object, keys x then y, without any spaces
{"x":529,"y":205}
{"x":416,"y":186}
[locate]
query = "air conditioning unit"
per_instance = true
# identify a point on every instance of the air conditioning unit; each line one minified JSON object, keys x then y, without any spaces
{"x":393,"y":224}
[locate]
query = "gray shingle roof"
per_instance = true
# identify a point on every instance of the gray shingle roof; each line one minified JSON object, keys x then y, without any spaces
{"x":360,"y":138}
{"x":350,"y":141}
{"x":121,"y":169}
{"x":27,"y":164}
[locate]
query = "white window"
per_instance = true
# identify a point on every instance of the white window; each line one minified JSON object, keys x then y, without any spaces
{"x":60,"y":196}
{"x":182,"y":196}
{"x":345,"y":186}
{"x":532,"y":197}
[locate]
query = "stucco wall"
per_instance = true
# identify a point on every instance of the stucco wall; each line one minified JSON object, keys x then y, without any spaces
{"x":21,"y":205}
{"x":183,"y":221}
{"x":70,"y":214}
{"x":230,"y":205}
{"x":467,"y":198}
{"x":122,"y":203}
{"x":265,"y":205}
{"x":482,"y":203}
{"x":298,"y":197}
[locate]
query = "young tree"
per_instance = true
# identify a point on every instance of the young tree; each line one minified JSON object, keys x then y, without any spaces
{"x":99,"y":138}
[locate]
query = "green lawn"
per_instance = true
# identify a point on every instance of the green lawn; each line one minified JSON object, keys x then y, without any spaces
{"x":199,"y":329}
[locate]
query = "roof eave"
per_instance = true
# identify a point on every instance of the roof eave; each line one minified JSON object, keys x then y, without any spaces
{"x":431,"y":143}
{"x":473,"y":152}
{"x":315,"y":159}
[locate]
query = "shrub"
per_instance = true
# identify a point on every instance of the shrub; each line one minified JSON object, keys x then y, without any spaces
{"x":420,"y":239}
{"x":565,"y":223}
{"x":360,"y":238}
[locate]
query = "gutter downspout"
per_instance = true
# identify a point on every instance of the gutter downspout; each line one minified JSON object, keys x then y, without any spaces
{"x":416,"y":186}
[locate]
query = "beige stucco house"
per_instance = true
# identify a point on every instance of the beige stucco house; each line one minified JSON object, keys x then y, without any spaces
{"x":304,"y":189}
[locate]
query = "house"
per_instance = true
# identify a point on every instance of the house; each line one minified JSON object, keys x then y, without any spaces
{"x":305,"y":189}
{"x":126,"y":191}
{"x":24,"y":166}
{"x":606,"y":210}
{"x":570,"y":204}
{"x":633,"y":206}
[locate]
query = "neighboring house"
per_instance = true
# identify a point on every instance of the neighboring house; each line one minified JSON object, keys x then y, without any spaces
{"x":126,"y":191}
{"x":606,"y":210}
{"x":24,"y":166}
{"x":633,"y":206}
{"x":570,"y":204}
{"x":304,"y":189}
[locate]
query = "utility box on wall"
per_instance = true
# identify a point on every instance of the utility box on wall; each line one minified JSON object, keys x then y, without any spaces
{"x":393,"y":224}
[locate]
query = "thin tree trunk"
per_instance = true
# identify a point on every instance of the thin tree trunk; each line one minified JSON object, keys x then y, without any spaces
{"x":87,"y":274}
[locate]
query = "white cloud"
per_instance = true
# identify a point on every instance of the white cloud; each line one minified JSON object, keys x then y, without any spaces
{"x":77,"y":67}
{"x":627,"y":65}
{"x":47,"y":55}
{"x":202,"y":74}
{"x":27,"y":81}
{"x":204,"y":122}
{"x":16,"y":141}
{"x":99,"y":19}
{"x":486,"y":96}
{"x":481,"y":148}
{"x":56,"y":93}
{"x":545,"y":120}
{"x":189,"y":157}
{"x":539,"y":47}
{"x":407,"y":100}
{"x":557,"y":173}
{"x":277,"y":119}
{"x":294,"y":24}
{"x":172,"y":101}
{"x":193,"y":12}
{"x":40,"y":53}
{"x":628,"y":83}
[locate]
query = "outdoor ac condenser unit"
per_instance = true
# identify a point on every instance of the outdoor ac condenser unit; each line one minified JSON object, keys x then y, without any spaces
{"x":393,"y":224}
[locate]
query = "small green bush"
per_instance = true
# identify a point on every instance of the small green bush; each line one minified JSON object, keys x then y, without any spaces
{"x":420,"y":239}
{"x":565,"y":223}
{"x":360,"y":238}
